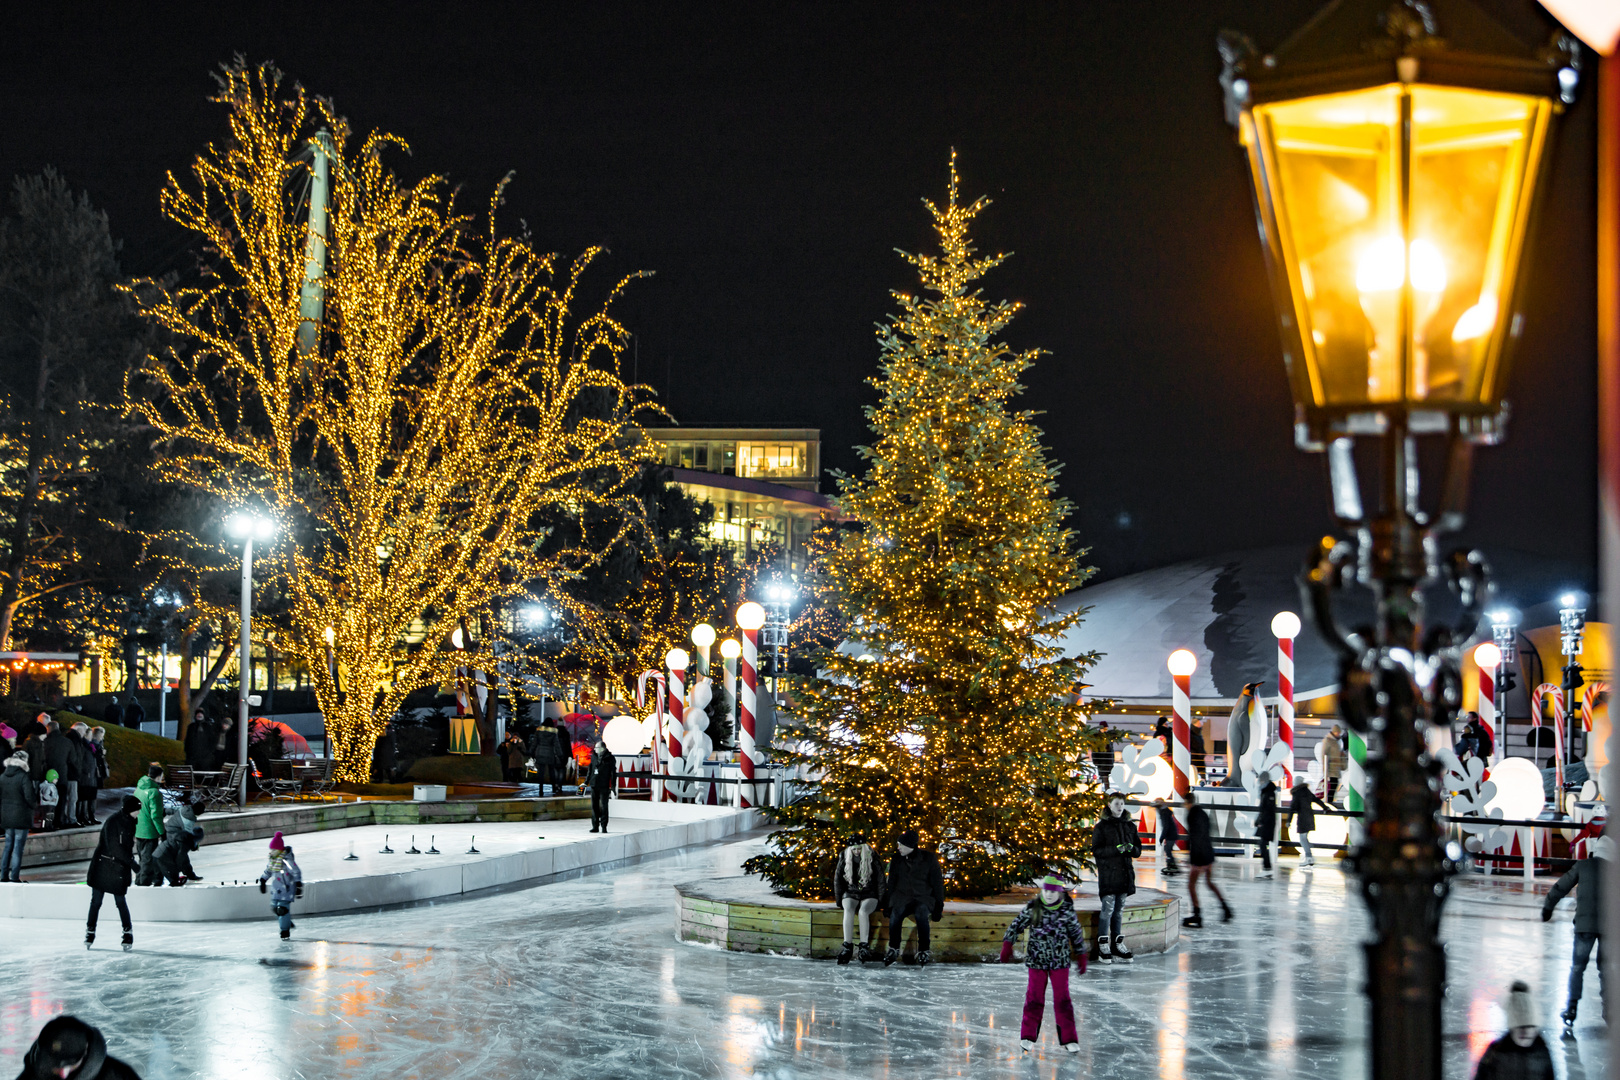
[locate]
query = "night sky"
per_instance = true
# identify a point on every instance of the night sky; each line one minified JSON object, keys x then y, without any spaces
{"x":765,"y":162}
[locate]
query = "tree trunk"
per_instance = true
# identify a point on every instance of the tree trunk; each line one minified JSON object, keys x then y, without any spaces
{"x":207,"y":687}
{"x":183,"y":692}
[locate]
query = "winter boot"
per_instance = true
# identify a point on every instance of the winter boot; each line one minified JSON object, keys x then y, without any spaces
{"x":1120,"y":951}
{"x":1226,"y":912}
{"x":891,"y":956}
{"x":866,"y":954}
{"x":924,"y":958}
{"x":129,"y":940}
{"x":1195,"y":921}
{"x":89,"y":938}
{"x":1103,"y":955}
{"x":846,"y":954}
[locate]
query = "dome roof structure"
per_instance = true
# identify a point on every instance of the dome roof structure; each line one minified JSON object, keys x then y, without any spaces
{"x":1221,"y":607}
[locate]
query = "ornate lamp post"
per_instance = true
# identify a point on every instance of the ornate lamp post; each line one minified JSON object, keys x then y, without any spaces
{"x":1571,"y":630}
{"x":1395,"y":163}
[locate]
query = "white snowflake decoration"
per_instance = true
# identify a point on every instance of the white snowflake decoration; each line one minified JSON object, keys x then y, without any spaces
{"x":1137,"y":768}
{"x":1471,"y":793}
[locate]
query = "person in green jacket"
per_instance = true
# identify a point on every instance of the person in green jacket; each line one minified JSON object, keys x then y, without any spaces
{"x":149,"y":824}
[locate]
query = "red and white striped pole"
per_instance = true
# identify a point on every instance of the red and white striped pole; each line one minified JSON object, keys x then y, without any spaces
{"x":1182,"y":664}
{"x":1285,"y":625}
{"x":1488,"y":657}
{"x":750,"y":617}
{"x":676,"y":660}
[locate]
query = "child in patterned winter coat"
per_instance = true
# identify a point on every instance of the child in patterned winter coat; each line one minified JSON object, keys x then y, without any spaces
{"x":1054,"y":936}
{"x":286,"y":882}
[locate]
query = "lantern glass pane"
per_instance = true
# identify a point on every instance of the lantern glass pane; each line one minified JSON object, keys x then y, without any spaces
{"x":1400,"y":274}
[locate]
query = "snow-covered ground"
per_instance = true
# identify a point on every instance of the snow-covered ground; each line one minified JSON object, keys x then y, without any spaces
{"x":584,"y":978}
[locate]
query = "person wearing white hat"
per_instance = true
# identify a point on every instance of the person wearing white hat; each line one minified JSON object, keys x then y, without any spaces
{"x":1522,"y":1053}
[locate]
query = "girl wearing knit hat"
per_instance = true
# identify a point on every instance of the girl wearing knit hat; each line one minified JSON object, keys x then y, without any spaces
{"x":285,"y":881}
{"x":1054,"y":936}
{"x":1522,"y":1052}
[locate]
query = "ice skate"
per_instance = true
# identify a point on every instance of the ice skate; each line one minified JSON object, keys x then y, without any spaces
{"x":846,"y":954}
{"x":1308,"y":861}
{"x":286,"y":935}
{"x":1027,"y":1044}
{"x":1568,"y":1016}
{"x":89,"y":938}
{"x":924,"y":958}
{"x":1226,"y":913}
{"x":129,"y":940}
{"x":1195,"y":921}
{"x":891,"y":956}
{"x":1120,"y":951}
{"x":866,"y":953}
{"x":1073,"y":1048}
{"x":1103,"y":955}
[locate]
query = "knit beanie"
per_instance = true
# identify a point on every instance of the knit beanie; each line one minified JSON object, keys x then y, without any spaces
{"x":50,"y":774}
{"x":908,"y":838}
{"x":1521,"y":1009}
{"x":277,"y":843}
{"x":131,"y":804}
{"x":1051,"y":881}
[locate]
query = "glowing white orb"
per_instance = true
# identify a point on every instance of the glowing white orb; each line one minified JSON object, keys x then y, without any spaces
{"x":624,"y":736}
{"x":1519,"y":792}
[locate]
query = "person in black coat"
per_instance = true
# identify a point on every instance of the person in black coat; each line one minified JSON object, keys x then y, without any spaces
{"x":69,"y":1047}
{"x":600,"y":778}
{"x":1522,"y":1053}
{"x":546,"y":750}
{"x":1265,"y":824}
{"x":200,"y":742}
{"x":857,"y":888}
{"x":112,"y":868}
{"x":113,"y":714}
{"x":1114,"y":843}
{"x":915,"y":889}
{"x":1586,"y":878}
{"x":134,"y":713}
{"x":1304,"y":806}
{"x":61,"y":755}
{"x":1201,"y":854}
{"x":18,"y":797}
{"x":1169,"y":835}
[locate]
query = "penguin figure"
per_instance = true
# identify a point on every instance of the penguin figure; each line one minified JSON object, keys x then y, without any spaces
{"x":1238,"y":736}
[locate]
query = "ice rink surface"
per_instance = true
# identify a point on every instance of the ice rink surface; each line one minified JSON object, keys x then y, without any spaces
{"x":584,"y":978}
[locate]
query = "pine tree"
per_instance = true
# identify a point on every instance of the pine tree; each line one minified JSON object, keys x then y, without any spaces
{"x":951,"y":709}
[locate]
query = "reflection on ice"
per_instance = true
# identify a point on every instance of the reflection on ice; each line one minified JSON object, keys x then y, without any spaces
{"x":585,"y":979}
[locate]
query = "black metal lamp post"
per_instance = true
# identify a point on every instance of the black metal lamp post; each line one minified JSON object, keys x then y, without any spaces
{"x":1395,"y":150}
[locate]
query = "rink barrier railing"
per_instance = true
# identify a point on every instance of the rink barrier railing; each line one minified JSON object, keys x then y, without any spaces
{"x":1562,"y":824}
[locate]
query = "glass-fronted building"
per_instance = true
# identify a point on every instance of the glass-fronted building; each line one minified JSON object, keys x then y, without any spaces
{"x":764,"y":483}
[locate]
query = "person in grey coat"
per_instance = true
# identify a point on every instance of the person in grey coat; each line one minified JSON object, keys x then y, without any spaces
{"x":18,"y":797}
{"x":1586,"y":878}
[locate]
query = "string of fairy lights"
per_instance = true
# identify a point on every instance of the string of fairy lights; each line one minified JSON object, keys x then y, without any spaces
{"x":411,"y":456}
{"x":955,"y":716}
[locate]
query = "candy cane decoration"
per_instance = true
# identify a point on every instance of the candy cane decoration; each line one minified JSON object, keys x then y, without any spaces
{"x":1558,"y":711}
{"x":1182,"y":664}
{"x":750,"y":617}
{"x":677,"y":710}
{"x":658,"y":721}
{"x":1488,"y":658}
{"x":1286,"y":626}
{"x":1593,"y":689}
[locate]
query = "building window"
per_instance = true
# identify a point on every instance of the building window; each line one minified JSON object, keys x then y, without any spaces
{"x":773,"y":459}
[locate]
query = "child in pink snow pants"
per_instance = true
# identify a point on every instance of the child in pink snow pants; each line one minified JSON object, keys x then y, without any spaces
{"x":1054,"y":935}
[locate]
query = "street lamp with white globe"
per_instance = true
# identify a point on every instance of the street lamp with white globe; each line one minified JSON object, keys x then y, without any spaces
{"x":246,"y":528}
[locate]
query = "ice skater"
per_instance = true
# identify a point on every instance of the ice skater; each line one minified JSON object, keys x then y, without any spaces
{"x":1054,"y":937}
{"x":857,"y":887}
{"x":1115,"y":843}
{"x":600,"y":778}
{"x":1201,"y":854}
{"x":915,"y":889}
{"x":286,"y":883}
{"x":1304,"y":806}
{"x":1265,"y":825}
{"x":1586,"y":878}
{"x":112,"y":868}
{"x":1167,"y":836}
{"x":1522,"y":1053}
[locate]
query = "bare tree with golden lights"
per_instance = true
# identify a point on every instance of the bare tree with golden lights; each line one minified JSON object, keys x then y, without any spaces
{"x":409,"y":452}
{"x":949,"y":709}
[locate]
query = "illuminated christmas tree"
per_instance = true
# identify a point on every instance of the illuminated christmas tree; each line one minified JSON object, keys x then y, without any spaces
{"x":949,"y":709}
